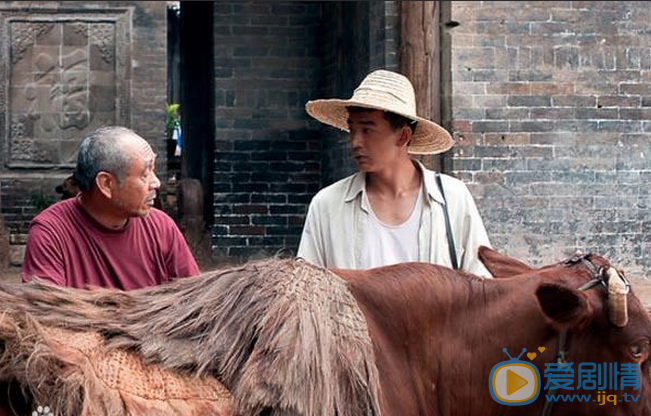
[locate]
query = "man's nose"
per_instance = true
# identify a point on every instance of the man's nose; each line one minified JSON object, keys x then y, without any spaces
{"x":355,"y":139}
{"x":154,"y":182}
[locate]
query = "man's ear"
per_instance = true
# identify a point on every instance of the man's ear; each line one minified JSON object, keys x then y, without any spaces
{"x":405,"y":136}
{"x":566,"y":307}
{"x":106,"y":183}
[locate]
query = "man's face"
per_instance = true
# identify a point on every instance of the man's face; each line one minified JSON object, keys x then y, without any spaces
{"x":375,"y":144}
{"x":134,"y":196}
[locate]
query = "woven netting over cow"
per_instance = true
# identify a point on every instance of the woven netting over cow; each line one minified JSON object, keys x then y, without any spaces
{"x":283,"y":337}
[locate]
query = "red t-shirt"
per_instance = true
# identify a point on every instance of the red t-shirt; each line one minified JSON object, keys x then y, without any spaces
{"x":68,"y":247}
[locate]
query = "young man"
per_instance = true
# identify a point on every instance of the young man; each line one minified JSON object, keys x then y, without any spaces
{"x":109,"y":235}
{"x":394,"y":209}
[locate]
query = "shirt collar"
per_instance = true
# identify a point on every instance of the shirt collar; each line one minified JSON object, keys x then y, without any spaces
{"x":358,"y":185}
{"x":429,"y":182}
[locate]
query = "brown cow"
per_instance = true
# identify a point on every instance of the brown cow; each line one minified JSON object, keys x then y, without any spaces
{"x":435,"y":334}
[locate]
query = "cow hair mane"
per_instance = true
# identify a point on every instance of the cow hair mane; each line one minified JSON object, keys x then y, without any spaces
{"x":283,"y":336}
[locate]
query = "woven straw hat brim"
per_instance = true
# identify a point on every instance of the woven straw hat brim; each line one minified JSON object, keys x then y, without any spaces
{"x":429,"y":138}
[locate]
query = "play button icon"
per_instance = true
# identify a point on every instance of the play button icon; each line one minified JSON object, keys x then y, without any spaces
{"x":514,"y":382}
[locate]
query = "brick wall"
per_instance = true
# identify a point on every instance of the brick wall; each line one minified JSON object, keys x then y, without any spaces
{"x":550,"y":107}
{"x":385,"y":36}
{"x":24,"y":197}
{"x":267,"y":150}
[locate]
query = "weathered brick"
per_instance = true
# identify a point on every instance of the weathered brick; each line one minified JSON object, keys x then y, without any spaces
{"x":232,"y":219}
{"x":489,"y":126}
{"x":229,"y":241}
{"x":530,"y":75}
{"x":287,"y":209}
{"x":620,"y":101}
{"x":574,"y":101}
{"x":246,"y":230}
{"x":588,"y":64}
{"x":552,"y":113}
{"x":251,"y":187}
{"x":635,"y":113}
{"x":529,"y":101}
{"x":511,"y":88}
{"x":250,"y":209}
{"x":265,"y":242}
{"x":595,"y":113}
{"x":271,"y":230}
{"x":269,"y":220}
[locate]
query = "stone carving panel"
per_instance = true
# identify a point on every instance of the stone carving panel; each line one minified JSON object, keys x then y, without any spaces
{"x":63,"y":80}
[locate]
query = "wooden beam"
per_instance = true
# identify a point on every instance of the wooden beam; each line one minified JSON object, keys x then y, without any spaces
{"x":418,"y":60}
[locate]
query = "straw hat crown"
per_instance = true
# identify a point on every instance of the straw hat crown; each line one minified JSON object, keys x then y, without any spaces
{"x":386,"y":91}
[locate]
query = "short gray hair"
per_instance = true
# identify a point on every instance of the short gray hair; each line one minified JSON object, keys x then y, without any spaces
{"x":100,"y":151}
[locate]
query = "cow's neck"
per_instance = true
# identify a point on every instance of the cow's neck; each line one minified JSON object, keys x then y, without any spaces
{"x":501,"y":313}
{"x":451,"y":331}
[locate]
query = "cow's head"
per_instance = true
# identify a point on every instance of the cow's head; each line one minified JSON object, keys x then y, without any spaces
{"x":589,"y":300}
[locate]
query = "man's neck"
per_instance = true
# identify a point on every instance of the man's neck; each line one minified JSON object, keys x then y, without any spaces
{"x":96,"y":207}
{"x":399,"y":180}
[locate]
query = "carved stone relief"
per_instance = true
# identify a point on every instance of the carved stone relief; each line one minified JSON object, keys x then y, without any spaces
{"x":62,"y":81}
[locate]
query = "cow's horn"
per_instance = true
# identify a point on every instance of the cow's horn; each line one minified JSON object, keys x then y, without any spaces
{"x":617,"y":290}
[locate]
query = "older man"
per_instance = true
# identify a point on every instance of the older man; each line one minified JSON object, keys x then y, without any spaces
{"x":110,"y":235}
{"x":394,"y":209}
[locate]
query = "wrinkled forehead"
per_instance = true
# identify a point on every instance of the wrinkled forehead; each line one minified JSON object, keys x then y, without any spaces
{"x":139,"y":148}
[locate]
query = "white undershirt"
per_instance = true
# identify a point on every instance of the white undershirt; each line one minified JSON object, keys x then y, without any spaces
{"x":386,"y":244}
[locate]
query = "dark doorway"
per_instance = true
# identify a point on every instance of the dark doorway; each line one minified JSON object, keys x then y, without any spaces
{"x":173,"y":85}
{"x":196,"y":97}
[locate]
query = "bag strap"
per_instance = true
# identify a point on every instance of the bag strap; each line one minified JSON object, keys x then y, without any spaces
{"x":448,"y":226}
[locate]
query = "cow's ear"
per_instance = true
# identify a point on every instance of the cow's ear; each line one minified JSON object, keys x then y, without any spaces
{"x":565,"y":306}
{"x":500,"y":265}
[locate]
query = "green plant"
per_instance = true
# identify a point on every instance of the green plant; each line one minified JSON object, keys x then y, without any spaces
{"x":173,"y":117}
{"x":40,"y":200}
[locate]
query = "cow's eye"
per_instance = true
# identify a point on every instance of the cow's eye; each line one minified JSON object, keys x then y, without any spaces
{"x":639,"y":351}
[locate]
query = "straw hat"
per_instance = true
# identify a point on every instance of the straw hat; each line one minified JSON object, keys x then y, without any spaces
{"x":388,"y":91}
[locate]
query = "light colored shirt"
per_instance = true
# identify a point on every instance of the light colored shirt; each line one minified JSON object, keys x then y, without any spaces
{"x":391,"y":244}
{"x":338,"y":218}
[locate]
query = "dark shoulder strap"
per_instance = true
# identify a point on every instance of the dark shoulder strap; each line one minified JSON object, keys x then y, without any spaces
{"x":448,"y":226}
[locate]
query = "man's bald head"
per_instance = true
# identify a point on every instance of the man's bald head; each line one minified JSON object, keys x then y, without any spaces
{"x":108,"y":149}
